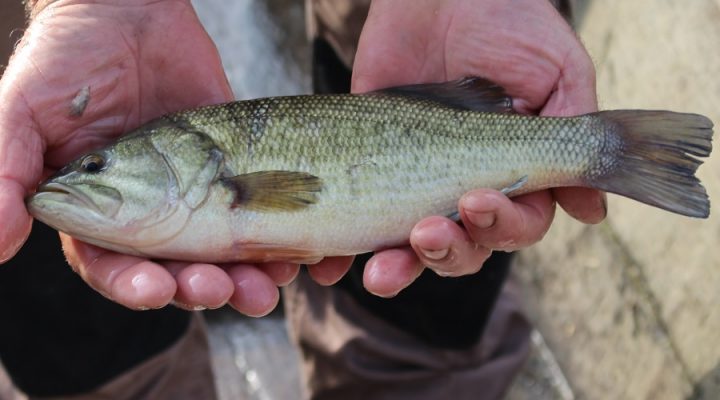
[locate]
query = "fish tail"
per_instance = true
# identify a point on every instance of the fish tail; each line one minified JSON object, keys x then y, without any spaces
{"x":657,"y":157}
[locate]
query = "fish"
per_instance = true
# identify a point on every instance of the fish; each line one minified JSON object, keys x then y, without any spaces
{"x":300,"y":178}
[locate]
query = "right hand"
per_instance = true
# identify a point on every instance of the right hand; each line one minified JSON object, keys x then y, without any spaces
{"x":530,"y":50}
{"x":141,"y":59}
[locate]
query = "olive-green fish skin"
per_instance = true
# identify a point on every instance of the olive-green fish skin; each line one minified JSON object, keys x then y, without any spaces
{"x":304,"y":177}
{"x":389,"y":134}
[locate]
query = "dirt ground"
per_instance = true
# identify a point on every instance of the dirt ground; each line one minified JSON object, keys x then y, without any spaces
{"x":630,"y":307}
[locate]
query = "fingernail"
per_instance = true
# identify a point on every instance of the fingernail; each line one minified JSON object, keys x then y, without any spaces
{"x":388,"y":295}
{"x":11,"y":250}
{"x":435,"y":254}
{"x":444,"y":274}
{"x":15,"y":244}
{"x":482,"y":220}
{"x":6,"y":255}
{"x":187,"y":306}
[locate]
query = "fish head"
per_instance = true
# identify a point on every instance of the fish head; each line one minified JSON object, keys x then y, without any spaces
{"x":135,"y":193}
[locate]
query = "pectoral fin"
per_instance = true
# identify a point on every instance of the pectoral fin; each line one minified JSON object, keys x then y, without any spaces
{"x":274,"y":190}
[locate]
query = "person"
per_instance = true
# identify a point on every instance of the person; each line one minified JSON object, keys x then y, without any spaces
{"x":144,"y":58}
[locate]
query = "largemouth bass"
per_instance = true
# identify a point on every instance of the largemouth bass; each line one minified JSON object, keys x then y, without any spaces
{"x":304,"y":177}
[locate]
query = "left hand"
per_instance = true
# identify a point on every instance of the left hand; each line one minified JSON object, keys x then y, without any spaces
{"x":524,"y":46}
{"x":141,"y":59}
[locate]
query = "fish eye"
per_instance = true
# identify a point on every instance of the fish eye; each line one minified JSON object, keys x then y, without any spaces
{"x":92,"y":163}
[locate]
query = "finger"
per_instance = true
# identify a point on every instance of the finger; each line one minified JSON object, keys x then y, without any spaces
{"x":390,"y":271}
{"x":281,"y":273}
{"x":330,"y":270}
{"x":381,"y":63}
{"x":446,"y":248}
{"x":496,"y":222}
{"x":200,"y":286}
{"x":575,"y":93}
{"x":132,"y":281}
{"x":584,"y":204}
{"x":16,"y":222}
{"x":255,"y":293}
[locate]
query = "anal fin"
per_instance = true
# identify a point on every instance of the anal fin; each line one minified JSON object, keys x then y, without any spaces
{"x":515,"y":186}
{"x":268,"y":252}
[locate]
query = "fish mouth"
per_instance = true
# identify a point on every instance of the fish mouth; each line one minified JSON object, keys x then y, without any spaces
{"x":61,"y":192}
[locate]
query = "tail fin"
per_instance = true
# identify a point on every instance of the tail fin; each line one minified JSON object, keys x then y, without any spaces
{"x":657,"y":161}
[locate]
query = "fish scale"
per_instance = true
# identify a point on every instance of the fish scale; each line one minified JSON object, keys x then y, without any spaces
{"x":303,"y":177}
{"x":414,"y":155}
{"x":344,"y":128}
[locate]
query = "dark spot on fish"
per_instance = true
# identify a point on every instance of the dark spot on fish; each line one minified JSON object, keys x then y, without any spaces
{"x":352,"y":171}
{"x":181,"y":122}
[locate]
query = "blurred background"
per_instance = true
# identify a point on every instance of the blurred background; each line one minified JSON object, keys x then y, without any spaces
{"x":626,"y":309}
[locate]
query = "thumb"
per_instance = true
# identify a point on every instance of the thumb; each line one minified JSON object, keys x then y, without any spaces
{"x":21,"y":163}
{"x":381,"y":62}
{"x":575,"y":93}
{"x":16,"y":220}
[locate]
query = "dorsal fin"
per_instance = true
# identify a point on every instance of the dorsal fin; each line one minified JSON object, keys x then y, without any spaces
{"x":471,"y":93}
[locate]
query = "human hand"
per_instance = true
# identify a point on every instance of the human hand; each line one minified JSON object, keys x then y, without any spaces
{"x":524,"y":46}
{"x":140,"y":59}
